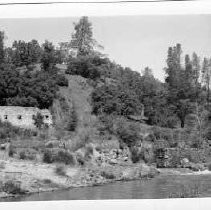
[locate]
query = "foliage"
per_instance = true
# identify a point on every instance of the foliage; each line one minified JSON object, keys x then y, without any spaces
{"x":107,"y":174}
{"x":60,"y":170}
{"x":64,"y":157}
{"x":87,"y":66}
{"x":29,"y":89}
{"x":48,"y":59}
{"x":28,"y":154}
{"x":38,"y":120}
{"x":60,"y":156}
{"x":12,"y":187}
{"x":8,"y":131}
{"x":82,"y":39}
{"x":128,"y":132}
{"x":112,"y":99}
{"x":48,"y":156}
{"x":24,"y":53}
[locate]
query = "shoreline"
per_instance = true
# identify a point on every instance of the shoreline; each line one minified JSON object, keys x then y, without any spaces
{"x":78,"y":177}
{"x":33,"y":181}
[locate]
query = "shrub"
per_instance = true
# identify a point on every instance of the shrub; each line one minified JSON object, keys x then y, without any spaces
{"x":47,"y":181}
{"x":22,"y":155}
{"x":38,"y":120}
{"x":61,"y":80}
{"x":11,"y":151}
{"x":115,"y":99}
{"x":86,"y":66}
{"x":8,"y":131}
{"x":27,"y":154}
{"x":73,"y":121}
{"x":64,"y":157}
{"x":135,"y":154}
{"x":12,"y":187}
{"x":128,"y":132}
{"x":48,"y":156}
{"x":60,"y":170}
{"x":108,"y":174}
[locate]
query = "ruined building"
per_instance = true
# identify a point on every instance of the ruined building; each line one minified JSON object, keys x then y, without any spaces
{"x":24,"y":116}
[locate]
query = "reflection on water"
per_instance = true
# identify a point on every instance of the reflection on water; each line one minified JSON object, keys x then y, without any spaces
{"x":160,"y":187}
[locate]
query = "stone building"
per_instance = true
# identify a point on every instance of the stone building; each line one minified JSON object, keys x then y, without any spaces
{"x":23,"y":116}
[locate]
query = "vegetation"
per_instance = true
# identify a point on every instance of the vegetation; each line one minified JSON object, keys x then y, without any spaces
{"x":60,"y":170}
{"x":59,"y":156}
{"x":12,"y":187}
{"x":177,"y":111}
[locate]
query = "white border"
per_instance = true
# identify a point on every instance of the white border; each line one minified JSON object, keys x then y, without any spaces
{"x":103,"y":9}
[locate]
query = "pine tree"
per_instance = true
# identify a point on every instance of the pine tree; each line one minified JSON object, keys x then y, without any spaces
{"x":82,"y":39}
{"x":2,"y":36}
{"x":206,"y":76}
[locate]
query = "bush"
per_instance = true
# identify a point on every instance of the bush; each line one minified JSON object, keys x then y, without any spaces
{"x":115,"y":99}
{"x":86,"y":66}
{"x":8,"y":131}
{"x":135,"y":154}
{"x":27,"y":154}
{"x":12,"y":187}
{"x":128,"y":132}
{"x":64,"y":157}
{"x":12,"y":151}
{"x":60,"y":170}
{"x":48,"y":156}
{"x":38,"y":120}
{"x":22,"y":155}
{"x":61,"y":80}
{"x":73,"y":120}
{"x":108,"y":174}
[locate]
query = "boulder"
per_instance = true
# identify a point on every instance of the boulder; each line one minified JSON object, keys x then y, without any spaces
{"x":113,"y":161}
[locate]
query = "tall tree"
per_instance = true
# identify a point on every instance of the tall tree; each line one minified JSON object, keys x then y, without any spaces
{"x":206,"y":76}
{"x":178,"y":89}
{"x":2,"y":36}
{"x":48,"y":59}
{"x":82,"y":39}
{"x":196,"y":74}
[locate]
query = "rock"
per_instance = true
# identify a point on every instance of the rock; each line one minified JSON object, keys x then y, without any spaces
{"x":113,"y":161}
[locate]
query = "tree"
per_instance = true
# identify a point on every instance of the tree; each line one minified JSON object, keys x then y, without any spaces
{"x":206,"y":76}
{"x":2,"y":36}
{"x":24,"y":53}
{"x":38,"y":120}
{"x":179,"y":91}
{"x":48,"y":59}
{"x":82,"y":39}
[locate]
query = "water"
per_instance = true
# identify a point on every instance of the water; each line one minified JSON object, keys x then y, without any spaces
{"x":161,"y":186}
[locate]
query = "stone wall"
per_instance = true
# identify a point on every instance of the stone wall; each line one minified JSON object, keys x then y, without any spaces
{"x":23,"y":116}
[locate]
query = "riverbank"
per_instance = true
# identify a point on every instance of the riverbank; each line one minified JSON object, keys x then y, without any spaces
{"x":19,"y":177}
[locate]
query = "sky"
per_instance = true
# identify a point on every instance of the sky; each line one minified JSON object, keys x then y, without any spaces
{"x":132,"y":41}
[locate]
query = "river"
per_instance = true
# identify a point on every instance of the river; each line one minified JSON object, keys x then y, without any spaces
{"x":162,"y":186}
